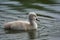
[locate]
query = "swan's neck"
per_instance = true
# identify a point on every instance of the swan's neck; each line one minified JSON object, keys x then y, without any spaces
{"x":33,"y":23}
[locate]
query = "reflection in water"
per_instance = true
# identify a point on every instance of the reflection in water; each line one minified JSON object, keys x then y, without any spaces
{"x":13,"y":31}
{"x":32,"y":34}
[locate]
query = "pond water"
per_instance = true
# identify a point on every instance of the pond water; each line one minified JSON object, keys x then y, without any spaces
{"x":48,"y":12}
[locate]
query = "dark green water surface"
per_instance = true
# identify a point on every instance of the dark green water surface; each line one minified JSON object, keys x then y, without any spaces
{"x":48,"y":12}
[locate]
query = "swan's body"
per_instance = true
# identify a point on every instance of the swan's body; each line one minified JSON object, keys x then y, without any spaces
{"x":23,"y":25}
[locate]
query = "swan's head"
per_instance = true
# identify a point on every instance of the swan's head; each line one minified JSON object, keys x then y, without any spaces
{"x":33,"y":16}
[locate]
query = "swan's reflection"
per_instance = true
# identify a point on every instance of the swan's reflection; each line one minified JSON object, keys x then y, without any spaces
{"x":32,"y":34}
{"x":14,"y":31}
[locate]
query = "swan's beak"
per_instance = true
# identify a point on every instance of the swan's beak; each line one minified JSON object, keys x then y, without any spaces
{"x":37,"y":19}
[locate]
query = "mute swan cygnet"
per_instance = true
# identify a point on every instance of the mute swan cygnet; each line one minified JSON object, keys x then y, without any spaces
{"x":23,"y":25}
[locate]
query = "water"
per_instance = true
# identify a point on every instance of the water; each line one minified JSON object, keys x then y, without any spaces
{"x":48,"y":12}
